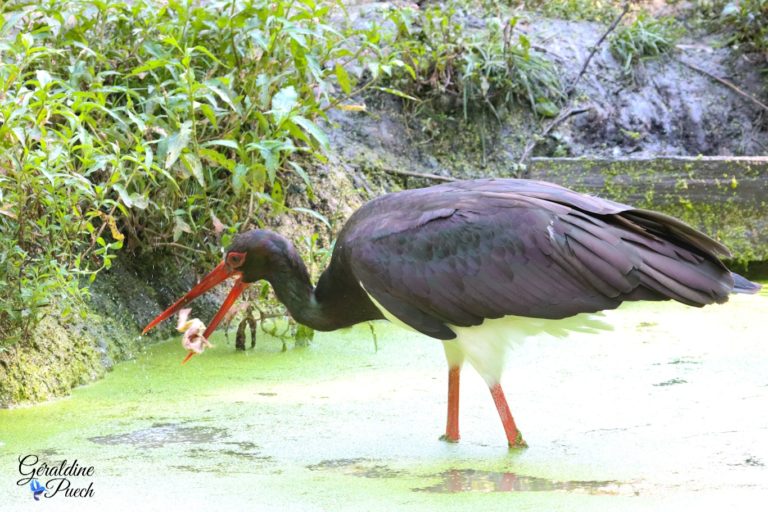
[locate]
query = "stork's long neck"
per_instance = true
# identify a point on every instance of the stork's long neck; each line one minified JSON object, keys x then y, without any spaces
{"x":336,"y":302}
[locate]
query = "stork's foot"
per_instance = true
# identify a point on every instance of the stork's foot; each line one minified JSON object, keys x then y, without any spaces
{"x":449,"y":439}
{"x":518,"y":443}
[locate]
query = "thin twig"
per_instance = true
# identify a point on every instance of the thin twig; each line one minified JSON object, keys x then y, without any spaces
{"x":613,"y":25}
{"x":564,"y":114}
{"x":726,"y":83}
{"x":426,"y":176}
{"x":95,"y":238}
{"x":568,"y":110}
{"x":180,"y":246}
{"x":375,"y":338}
{"x":546,"y":50}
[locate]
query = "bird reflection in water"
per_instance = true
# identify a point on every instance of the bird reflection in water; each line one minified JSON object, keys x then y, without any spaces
{"x":472,"y":480}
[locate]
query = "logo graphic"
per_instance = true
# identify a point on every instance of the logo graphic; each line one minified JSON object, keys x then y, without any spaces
{"x":50,"y":479}
{"x":37,"y":489}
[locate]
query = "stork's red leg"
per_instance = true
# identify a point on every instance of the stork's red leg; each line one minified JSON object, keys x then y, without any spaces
{"x":514,"y":437}
{"x":452,"y":423}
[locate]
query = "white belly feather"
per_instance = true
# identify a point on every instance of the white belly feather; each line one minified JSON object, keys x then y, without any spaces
{"x":485,"y":346}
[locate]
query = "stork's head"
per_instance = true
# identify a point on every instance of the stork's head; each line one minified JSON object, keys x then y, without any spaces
{"x":250,"y":257}
{"x":255,"y":254}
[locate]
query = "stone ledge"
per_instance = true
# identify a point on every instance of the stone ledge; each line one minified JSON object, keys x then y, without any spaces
{"x":726,"y":197}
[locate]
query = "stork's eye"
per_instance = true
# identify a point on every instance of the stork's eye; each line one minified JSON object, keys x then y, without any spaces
{"x":235,"y":259}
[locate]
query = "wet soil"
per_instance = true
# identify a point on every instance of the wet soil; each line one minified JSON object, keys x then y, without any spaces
{"x":662,"y":108}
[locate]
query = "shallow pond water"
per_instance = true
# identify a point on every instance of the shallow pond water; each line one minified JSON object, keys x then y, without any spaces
{"x":669,"y":411}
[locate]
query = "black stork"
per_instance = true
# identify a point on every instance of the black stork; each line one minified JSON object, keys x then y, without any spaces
{"x":474,"y":263}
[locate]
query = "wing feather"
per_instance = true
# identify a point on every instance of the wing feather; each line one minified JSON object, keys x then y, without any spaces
{"x":492,"y":248}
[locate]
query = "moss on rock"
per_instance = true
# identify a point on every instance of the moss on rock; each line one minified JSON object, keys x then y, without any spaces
{"x":725,"y":197}
{"x":54,"y":359}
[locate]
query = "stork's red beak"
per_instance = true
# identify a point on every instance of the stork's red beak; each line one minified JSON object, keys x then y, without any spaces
{"x":216,"y":276}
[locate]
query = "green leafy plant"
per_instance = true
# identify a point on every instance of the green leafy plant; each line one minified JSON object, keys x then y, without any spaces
{"x":479,"y":70}
{"x":645,"y":37}
{"x":602,"y":11}
{"x":153,"y":125}
{"x":748,"y":19}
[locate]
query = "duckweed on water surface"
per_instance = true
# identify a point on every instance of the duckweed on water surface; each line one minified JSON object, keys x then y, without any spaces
{"x":341,"y":426}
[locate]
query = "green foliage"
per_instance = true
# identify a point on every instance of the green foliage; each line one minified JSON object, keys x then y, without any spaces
{"x":709,"y":9}
{"x":748,"y":19}
{"x":151,"y":124}
{"x":745,"y":21}
{"x":645,"y":37}
{"x":602,"y":11}
{"x":744,"y":24}
{"x":479,"y":70}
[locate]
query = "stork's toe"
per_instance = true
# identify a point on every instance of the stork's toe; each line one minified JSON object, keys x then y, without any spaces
{"x":518,"y":443}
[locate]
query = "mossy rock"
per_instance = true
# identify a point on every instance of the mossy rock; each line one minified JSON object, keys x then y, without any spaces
{"x":55,"y":358}
{"x":726,"y":197}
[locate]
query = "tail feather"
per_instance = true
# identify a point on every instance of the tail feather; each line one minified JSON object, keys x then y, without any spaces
{"x":743,"y":285}
{"x":680,"y":262}
{"x":668,"y":227}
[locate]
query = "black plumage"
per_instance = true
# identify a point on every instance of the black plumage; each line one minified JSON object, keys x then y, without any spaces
{"x":462,"y":252}
{"x":454,"y":257}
